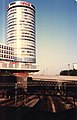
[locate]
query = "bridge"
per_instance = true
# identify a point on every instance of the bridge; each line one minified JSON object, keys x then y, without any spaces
{"x":54,"y":87}
{"x":40,"y":95}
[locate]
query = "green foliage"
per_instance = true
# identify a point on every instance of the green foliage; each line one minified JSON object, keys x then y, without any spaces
{"x":69,"y":72}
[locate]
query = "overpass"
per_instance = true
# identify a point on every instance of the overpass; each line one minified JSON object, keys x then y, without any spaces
{"x":53,"y":78}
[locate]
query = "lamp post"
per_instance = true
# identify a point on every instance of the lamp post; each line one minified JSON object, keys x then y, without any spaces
{"x":68,"y":69}
{"x":47,"y":71}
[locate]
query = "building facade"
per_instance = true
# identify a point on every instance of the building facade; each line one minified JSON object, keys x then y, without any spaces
{"x":7,"y":60}
{"x":21,"y":31}
{"x":6,"y":52}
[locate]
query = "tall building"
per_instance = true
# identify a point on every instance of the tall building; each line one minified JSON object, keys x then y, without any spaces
{"x":21,"y":31}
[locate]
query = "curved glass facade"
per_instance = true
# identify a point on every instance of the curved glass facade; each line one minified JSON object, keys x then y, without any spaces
{"x":21,"y":31}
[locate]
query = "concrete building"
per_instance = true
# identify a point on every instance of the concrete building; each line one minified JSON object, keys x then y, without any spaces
{"x":19,"y":54}
{"x":7,"y":60}
{"x":21,"y":31}
{"x":6,"y":52}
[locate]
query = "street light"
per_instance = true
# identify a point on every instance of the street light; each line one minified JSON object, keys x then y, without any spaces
{"x":47,"y":71}
{"x":68,"y":69}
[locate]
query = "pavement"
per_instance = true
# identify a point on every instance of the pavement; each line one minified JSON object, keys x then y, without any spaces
{"x":20,"y":113}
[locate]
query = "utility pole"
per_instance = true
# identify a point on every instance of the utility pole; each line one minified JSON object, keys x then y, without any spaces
{"x":15,"y":93}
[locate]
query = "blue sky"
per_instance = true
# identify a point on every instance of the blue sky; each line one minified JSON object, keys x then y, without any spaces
{"x":56,"y":33}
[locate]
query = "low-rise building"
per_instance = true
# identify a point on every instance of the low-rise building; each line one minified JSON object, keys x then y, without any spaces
{"x":6,"y":52}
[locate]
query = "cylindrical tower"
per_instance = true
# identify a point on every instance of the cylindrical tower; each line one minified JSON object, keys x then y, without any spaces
{"x":21,"y":31}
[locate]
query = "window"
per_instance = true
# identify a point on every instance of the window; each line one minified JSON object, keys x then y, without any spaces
{"x":12,"y":3}
{"x":4,"y":47}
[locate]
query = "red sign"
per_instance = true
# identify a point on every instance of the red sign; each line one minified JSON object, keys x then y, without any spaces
{"x":25,"y":3}
{"x":13,"y":62}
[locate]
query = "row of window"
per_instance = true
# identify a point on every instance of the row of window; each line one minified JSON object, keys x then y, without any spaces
{"x":23,"y":24}
{"x":27,"y":36}
{"x":11,"y":17}
{"x":29,"y":43}
{"x":13,"y":30}
{"x":31,"y":46}
{"x":6,"y":56}
{"x":20,"y":6}
{"x":24,"y":9}
{"x":12,"y":39}
{"x":14,"y":35}
{"x":14,"y":23}
{"x":11,"y":43}
{"x":9,"y":40}
{"x":30,"y":60}
{"x":21,"y":36}
{"x":13,"y":3}
{"x":27,"y":13}
{"x":13,"y":27}
{"x":27,"y":54}
{"x":30,"y":23}
{"x":28,"y":29}
{"x":29,"y":10}
{"x":6,"y":52}
{"x":11,"y":13}
{"x":29,"y":16}
{"x":9,"y":31}
{"x":10,"y":28}
{"x":27,"y":20}
{"x":22,"y":20}
{"x":31,"y":55}
{"x":29,"y":49}
{"x":32,"y":14}
{"x":26,"y":59}
{"x":6,"y":47}
{"x":30,"y":33}
{"x":12,"y":10}
{"x":33,"y":6}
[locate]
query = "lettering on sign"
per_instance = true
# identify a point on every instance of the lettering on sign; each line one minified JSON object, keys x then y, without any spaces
{"x":25,"y":3}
